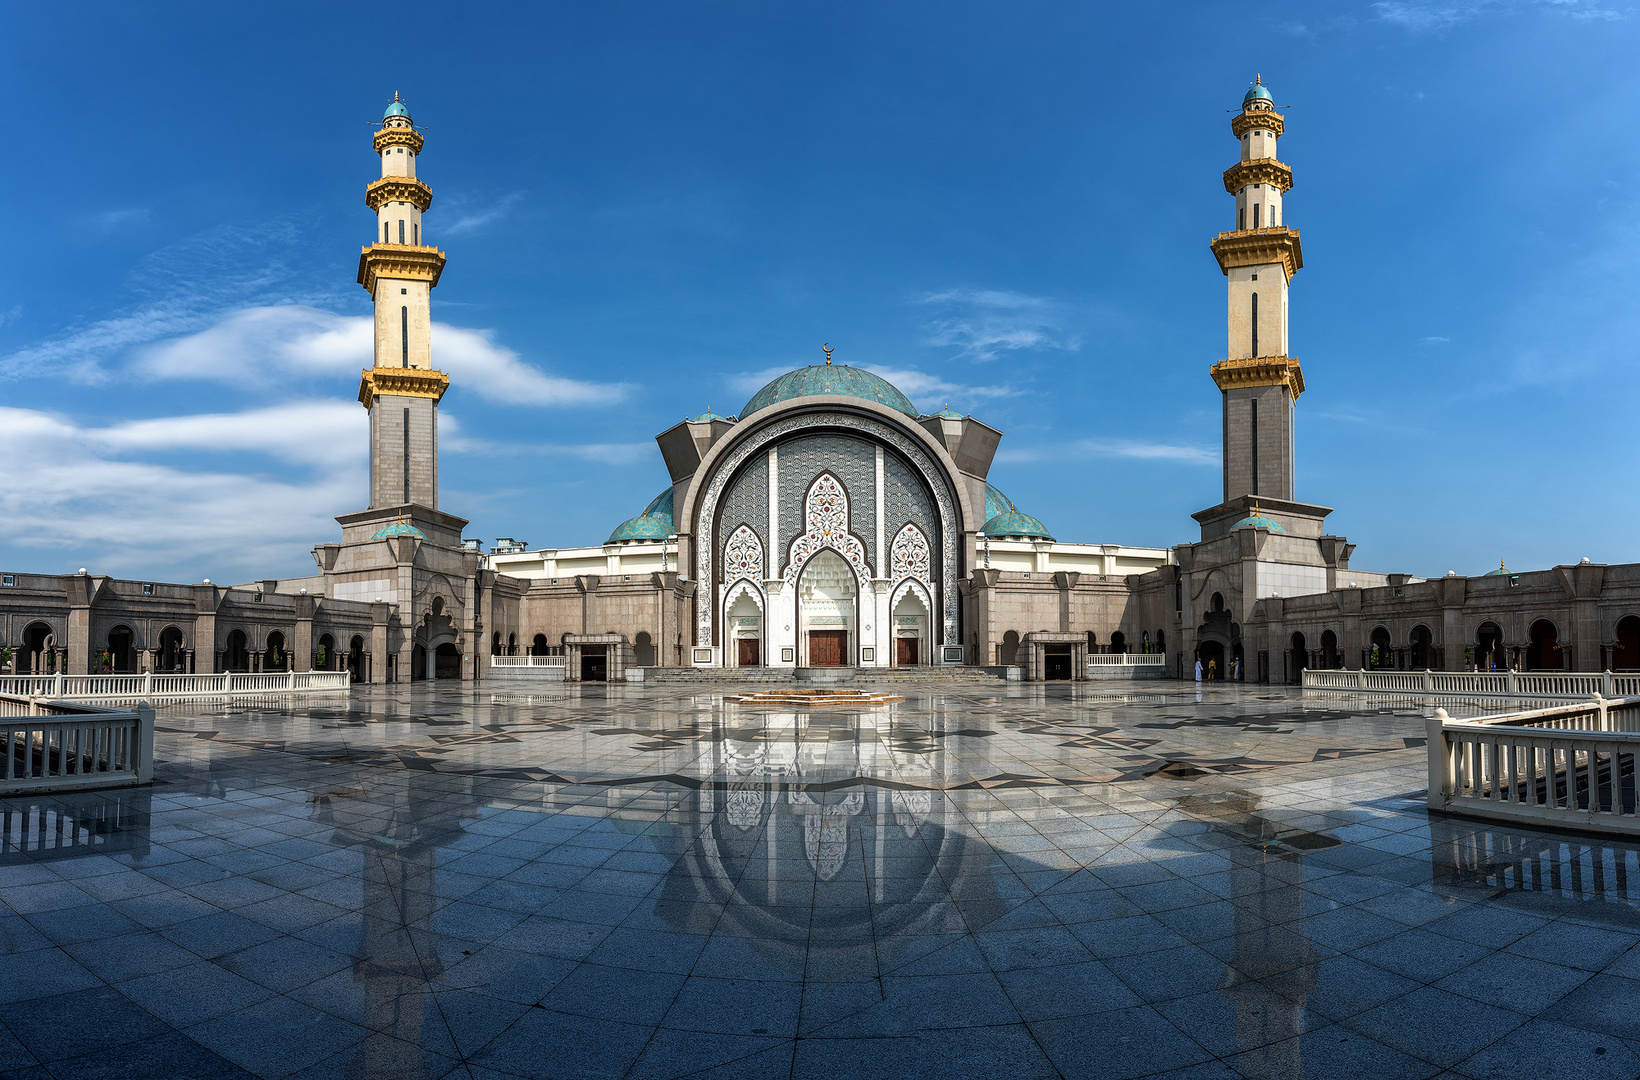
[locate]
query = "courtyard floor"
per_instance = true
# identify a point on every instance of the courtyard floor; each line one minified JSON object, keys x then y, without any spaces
{"x":987,"y":880}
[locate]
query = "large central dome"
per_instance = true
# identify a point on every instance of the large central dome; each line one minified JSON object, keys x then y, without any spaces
{"x":836,"y":379}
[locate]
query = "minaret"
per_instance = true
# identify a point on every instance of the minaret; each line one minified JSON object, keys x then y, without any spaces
{"x":398,"y":270}
{"x":1259,"y":381}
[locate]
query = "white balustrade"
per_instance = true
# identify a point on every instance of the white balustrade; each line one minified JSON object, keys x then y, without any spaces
{"x":64,"y":746}
{"x":1478,"y":684}
{"x":528,"y":661}
{"x":133,"y":687}
{"x":1154,"y":659}
{"x":1566,"y":766}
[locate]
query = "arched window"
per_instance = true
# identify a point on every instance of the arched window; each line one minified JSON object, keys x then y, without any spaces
{"x":386,"y":236}
{"x":1255,"y":215}
{"x":538,"y":647}
{"x":401,"y":227}
{"x":404,"y":337}
{"x":1255,"y":309}
{"x":1241,"y":218}
{"x":415,"y":235}
{"x":1008,"y":651}
{"x":495,"y":644}
{"x":1118,"y":642}
{"x":1218,"y":601}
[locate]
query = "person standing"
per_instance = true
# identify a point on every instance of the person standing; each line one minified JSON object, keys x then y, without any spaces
{"x":1198,"y":669}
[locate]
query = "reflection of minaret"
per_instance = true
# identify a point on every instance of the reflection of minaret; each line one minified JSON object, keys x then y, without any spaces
{"x":1273,"y":970}
{"x":1259,"y":381}
{"x":398,"y":828}
{"x":401,"y":390}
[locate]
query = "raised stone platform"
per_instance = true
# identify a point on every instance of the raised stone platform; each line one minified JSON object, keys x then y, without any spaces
{"x":815,"y":698}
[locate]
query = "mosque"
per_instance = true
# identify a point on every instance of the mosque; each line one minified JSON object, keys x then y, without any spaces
{"x":830,"y":523}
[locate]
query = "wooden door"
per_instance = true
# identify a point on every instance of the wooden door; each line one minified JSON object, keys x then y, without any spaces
{"x":905,"y":652}
{"x":746,"y":652}
{"x":827,"y":648}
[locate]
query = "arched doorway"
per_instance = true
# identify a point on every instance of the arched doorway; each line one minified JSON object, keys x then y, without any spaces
{"x":744,"y":619}
{"x":1422,"y":653}
{"x":1489,"y":648}
{"x":237,"y":656}
{"x":495,"y":643}
{"x":171,"y":655}
{"x":121,"y":653}
{"x":1299,"y":661}
{"x":910,"y":630}
{"x":1626,"y":655}
{"x":643,"y":649}
{"x":1118,"y":642}
{"x":1212,"y":658}
{"x":39,"y":646}
{"x":825,"y":605}
{"x":447,"y":662}
{"x":1008,"y":651}
{"x":538,"y":646}
{"x":1544,"y":651}
{"x":418,"y":663}
{"x":326,"y":659}
{"x":355,"y":658}
{"x":1381,"y":655}
{"x":1093,"y":642}
{"x":1329,"y":649}
{"x":512,"y":644}
{"x":278,"y":658}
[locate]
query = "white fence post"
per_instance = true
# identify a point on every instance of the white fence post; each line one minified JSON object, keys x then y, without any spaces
{"x":290,"y":679}
{"x":57,"y":690}
{"x":1509,"y":682}
{"x":1607,"y":689}
{"x":1429,"y":680}
{"x":1440,"y":761}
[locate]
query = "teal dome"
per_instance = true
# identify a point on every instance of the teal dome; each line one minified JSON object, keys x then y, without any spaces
{"x":1259,"y":92}
{"x":1259,"y":521}
{"x":399,"y":528}
{"x":947,"y":414}
{"x":996,"y":502}
{"x":835,"y":379}
{"x":1014,"y":523}
{"x":1501,"y":571}
{"x":655,"y":523}
{"x":707,"y":417}
{"x":396,"y":109}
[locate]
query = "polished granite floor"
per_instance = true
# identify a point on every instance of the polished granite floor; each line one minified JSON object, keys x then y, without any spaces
{"x":983,"y":880}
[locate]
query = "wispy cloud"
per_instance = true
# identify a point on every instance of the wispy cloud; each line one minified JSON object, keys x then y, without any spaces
{"x":123,"y":515}
{"x":1133,"y":449}
{"x":1432,"y":16}
{"x":472,"y":218}
{"x":265,"y":345}
{"x":983,"y":324}
{"x":302,"y":432}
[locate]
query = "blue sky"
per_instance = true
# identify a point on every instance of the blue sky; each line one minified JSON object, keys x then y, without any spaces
{"x":651,"y":208}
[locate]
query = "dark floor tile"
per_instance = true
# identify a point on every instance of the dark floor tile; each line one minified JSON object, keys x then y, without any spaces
{"x":1543,"y":1049}
{"x":1067,"y":990}
{"x":1606,"y":1003}
{"x":1116,"y":1045}
{"x":41,"y":973}
{"x":184,"y":996}
{"x":172,"y":1056}
{"x":1515,"y":982}
{"x":277,"y":1036}
{"x":1420,"y":955}
{"x":546,"y":1043}
{"x":1587,"y":947}
{"x":79,"y":1023}
{"x":610,"y":993}
{"x":1435,"y":1026}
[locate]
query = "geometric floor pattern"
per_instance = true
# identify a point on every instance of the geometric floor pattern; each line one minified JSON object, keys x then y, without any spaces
{"x":1056,"y":880}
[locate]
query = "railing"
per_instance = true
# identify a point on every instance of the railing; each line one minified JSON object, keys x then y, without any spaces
{"x":150,"y":686}
{"x":1131,"y":659}
{"x":1478,"y":684}
{"x":64,"y":746}
{"x":1566,"y":767}
{"x":527,"y":661}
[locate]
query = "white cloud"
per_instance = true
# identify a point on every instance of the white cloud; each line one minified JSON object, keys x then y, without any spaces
{"x":1133,"y":449}
{"x":1423,"y":16}
{"x":126,"y":515}
{"x":264,"y":345}
{"x":982,"y":324}
{"x":304,"y":432}
{"x":924,"y":388}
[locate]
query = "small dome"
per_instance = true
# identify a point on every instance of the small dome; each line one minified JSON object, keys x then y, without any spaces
{"x":834,"y":379}
{"x":1501,"y":571}
{"x":1257,"y":520}
{"x":996,"y":502}
{"x":707,"y":417}
{"x":399,"y":528}
{"x":655,"y":523}
{"x":1258,"y":92}
{"x":1014,"y":523}
{"x":396,"y":109}
{"x":947,"y":414}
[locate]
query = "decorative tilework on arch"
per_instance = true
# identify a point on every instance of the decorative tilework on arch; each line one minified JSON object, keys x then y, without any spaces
{"x":747,"y":502}
{"x":852,"y":461}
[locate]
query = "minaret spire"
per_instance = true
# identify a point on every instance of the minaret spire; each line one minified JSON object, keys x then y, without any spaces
{"x":1258,"y":379}
{"x":402,"y":390}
